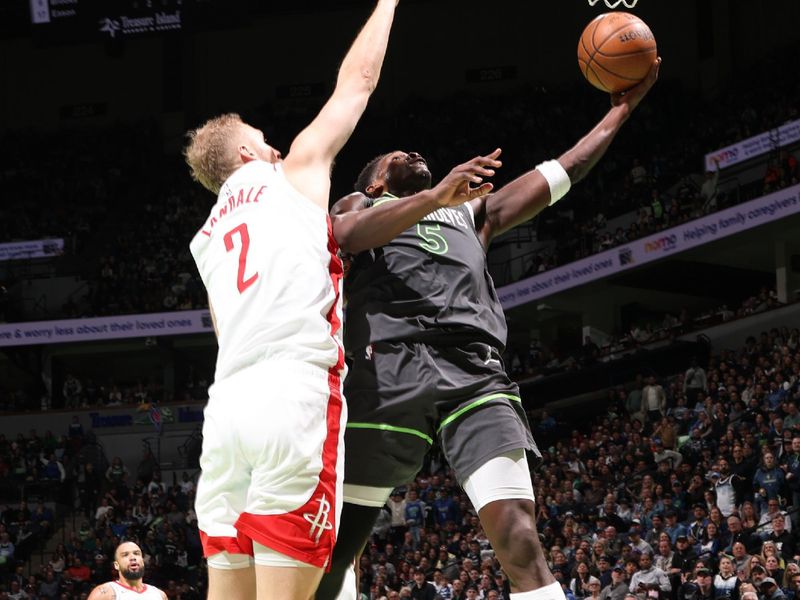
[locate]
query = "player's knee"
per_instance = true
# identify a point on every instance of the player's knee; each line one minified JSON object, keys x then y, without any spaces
{"x":518,"y":539}
{"x":524,"y":547}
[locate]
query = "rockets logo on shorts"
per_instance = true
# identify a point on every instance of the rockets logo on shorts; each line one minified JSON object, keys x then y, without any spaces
{"x":319,"y":522}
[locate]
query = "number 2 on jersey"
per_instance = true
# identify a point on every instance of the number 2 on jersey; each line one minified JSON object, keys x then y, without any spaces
{"x":241,"y":282}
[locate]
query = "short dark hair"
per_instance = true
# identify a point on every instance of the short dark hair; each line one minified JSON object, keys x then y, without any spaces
{"x":122,"y":543}
{"x":368,"y":174}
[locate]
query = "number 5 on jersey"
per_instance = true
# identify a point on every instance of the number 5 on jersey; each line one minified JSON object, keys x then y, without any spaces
{"x":244,"y":236}
{"x":434,"y":242}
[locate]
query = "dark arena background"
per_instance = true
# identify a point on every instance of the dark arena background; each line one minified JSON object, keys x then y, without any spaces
{"x":672,"y":272}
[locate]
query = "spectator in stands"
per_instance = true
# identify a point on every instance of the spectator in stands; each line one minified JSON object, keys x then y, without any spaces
{"x":444,"y":589}
{"x":618,"y":588}
{"x":664,"y":555}
{"x":694,"y":381}
{"x":790,"y":463}
{"x":49,"y":586}
{"x":791,"y":580}
{"x":738,"y":535}
{"x":654,"y":400}
{"x":422,"y":589}
{"x":638,"y":173}
{"x":57,"y":562}
{"x":156,"y":486}
{"x":117,"y":474}
{"x":726,"y":583}
{"x":770,"y":590}
{"x":701,"y":587}
{"x":769,"y":481}
{"x":186,"y":485}
{"x":594,"y":588}
{"x":71,"y":390}
{"x":671,"y":459}
{"x":77,"y":571}
{"x":633,"y":404}
{"x":783,"y":540}
{"x":648,"y":575}
{"x":579,"y":583}
{"x":415,"y":514}
{"x":6,"y":550}
{"x":147,"y":466}
{"x":52,"y":469}
{"x":723,"y":487}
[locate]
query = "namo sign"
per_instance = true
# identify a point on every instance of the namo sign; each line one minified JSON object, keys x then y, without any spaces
{"x":654,"y":247}
{"x":757,"y":145}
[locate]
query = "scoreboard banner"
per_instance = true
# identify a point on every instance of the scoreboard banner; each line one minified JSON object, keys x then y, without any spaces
{"x":691,"y":234}
{"x":84,"y":20}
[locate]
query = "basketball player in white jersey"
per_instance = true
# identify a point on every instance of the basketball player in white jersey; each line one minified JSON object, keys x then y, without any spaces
{"x":269,"y":495}
{"x":129,"y":564}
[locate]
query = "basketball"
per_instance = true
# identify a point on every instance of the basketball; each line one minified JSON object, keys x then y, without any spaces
{"x":615,"y":51}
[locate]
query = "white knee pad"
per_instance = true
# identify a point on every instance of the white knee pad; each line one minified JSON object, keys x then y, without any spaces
{"x":267,"y":557}
{"x":366,"y":495}
{"x":225,"y":561}
{"x":504,"y":477}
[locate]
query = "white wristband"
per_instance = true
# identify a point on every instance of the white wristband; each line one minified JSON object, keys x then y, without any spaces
{"x":557,"y":178}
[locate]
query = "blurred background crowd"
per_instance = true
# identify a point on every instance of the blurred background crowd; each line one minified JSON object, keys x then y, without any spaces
{"x":683,"y":483}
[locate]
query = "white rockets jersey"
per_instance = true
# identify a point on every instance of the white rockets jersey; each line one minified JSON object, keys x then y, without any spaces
{"x":268,"y":260}
{"x":123,"y":592}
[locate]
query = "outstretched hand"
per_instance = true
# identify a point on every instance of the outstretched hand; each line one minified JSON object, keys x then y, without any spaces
{"x":457,"y":187}
{"x":633,"y":96}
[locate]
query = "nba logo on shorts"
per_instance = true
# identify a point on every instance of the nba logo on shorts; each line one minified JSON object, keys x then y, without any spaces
{"x":368,"y":352}
{"x":319,"y":521}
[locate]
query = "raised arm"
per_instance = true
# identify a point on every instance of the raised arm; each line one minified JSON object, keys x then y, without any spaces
{"x":311,"y":155}
{"x":356,"y":229}
{"x":528,"y":195}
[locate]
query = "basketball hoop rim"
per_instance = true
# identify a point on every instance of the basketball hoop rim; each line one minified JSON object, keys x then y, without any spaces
{"x":612,"y":4}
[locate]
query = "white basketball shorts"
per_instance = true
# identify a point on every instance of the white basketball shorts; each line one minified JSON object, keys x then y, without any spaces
{"x":272,"y":461}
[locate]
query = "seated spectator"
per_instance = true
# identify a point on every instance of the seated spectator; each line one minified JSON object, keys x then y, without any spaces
{"x":700,"y":587}
{"x":726,"y":582}
{"x":77,"y":571}
{"x":117,"y":473}
{"x":648,"y":575}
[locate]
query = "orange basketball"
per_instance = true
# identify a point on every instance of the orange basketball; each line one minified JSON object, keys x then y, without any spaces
{"x":616,"y":50}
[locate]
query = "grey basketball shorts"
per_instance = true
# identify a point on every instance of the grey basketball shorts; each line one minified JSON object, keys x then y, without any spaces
{"x":403,"y":397}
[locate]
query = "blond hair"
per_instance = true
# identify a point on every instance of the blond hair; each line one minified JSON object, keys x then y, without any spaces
{"x":210,"y":154}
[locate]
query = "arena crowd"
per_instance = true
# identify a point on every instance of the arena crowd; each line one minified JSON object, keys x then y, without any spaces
{"x":688,"y":485}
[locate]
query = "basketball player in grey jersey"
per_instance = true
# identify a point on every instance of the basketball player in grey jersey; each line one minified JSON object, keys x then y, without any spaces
{"x":425,"y":332}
